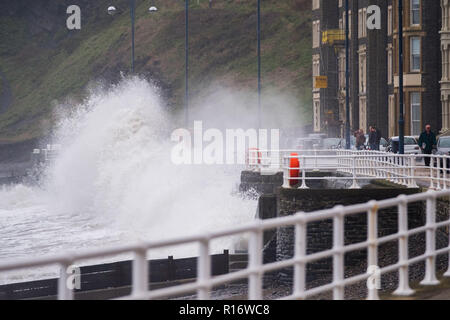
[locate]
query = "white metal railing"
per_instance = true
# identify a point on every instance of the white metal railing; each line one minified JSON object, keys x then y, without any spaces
{"x":47,"y":154}
{"x":255,"y":269}
{"x":405,"y":170}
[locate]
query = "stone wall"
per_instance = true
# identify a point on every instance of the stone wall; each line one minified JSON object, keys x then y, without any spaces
{"x":261,"y":184}
{"x":323,"y":194}
{"x":320,"y":236}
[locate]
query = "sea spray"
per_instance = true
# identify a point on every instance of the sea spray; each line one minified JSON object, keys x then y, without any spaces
{"x":115,"y":162}
{"x":113,"y":182}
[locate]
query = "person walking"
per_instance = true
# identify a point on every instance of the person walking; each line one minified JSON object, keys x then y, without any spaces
{"x":373,"y":138}
{"x":360,"y":139}
{"x":427,"y":142}
{"x":378,"y":138}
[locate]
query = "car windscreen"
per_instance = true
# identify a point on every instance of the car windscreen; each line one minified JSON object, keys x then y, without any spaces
{"x":332,"y":142}
{"x":444,"y":143}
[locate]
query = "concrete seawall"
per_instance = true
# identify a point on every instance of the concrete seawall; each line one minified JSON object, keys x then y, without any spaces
{"x":279,"y":244}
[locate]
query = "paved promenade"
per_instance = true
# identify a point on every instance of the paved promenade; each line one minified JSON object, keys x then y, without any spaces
{"x":440,"y":292}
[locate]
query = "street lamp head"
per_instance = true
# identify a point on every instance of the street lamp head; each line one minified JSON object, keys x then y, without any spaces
{"x":112,"y":10}
{"x":153,"y":9}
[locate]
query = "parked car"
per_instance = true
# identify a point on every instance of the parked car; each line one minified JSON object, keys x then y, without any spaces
{"x":411,"y":145}
{"x":443,"y":148}
{"x":309,"y":144}
{"x":331,"y":143}
{"x":384,"y":145}
{"x":342,"y":143}
{"x":321,"y":136}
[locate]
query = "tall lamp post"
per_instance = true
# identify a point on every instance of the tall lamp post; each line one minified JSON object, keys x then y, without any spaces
{"x":259,"y":64}
{"x":347,"y":78}
{"x":112,"y":11}
{"x":401,"y":120}
{"x":186,"y":46}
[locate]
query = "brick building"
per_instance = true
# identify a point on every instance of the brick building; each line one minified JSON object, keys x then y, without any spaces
{"x":374,"y":79}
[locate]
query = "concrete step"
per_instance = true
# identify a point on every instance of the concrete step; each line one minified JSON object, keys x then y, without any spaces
{"x":238,"y":265}
{"x":238,"y":257}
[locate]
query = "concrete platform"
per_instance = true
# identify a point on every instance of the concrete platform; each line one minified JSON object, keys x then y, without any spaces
{"x":439,"y":292}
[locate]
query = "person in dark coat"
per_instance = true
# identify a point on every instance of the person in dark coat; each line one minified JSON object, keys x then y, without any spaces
{"x":378,"y":138}
{"x":373,"y":138}
{"x":360,"y":139}
{"x":427,"y":142}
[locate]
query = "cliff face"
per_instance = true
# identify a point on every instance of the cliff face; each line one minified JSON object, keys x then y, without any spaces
{"x":41,"y":62}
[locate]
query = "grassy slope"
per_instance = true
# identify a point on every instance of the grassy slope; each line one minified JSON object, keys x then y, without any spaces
{"x":222,"y":46}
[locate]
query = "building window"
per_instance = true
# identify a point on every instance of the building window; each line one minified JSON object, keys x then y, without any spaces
{"x":349,"y":23}
{"x":415,"y":12}
{"x":341,"y":70}
{"x":415,"y":54}
{"x":390,"y":67}
{"x":416,"y":118}
{"x":363,"y":113}
{"x":362,"y":69}
{"x":316,"y":68}
{"x":315,"y":4}
{"x":362,"y":23}
{"x":390,"y":21}
{"x":392,"y":115}
{"x":317,"y":116}
{"x":316,"y":34}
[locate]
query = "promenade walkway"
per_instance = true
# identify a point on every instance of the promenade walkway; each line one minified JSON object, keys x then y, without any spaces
{"x":440,"y":292}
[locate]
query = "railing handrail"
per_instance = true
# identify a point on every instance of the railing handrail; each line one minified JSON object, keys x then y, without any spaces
{"x":255,"y":269}
{"x":360,"y":165}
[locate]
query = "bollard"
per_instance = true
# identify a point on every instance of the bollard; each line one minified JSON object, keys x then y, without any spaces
{"x":294,"y":169}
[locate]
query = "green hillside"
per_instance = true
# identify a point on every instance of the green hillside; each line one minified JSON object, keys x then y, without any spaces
{"x":45,"y":65}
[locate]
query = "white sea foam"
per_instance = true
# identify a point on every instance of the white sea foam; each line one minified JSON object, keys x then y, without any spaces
{"x":113,"y":182}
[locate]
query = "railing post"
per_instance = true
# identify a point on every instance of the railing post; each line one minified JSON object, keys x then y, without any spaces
{"x":316,"y":168}
{"x":203,"y":271}
{"x":338,"y":161}
{"x":447,"y":274}
{"x":299,"y":256}
{"x":373,"y":166}
{"x":405,"y":171}
{"x":396,"y":170}
{"x":377,"y":166}
{"x":355,"y":183}
{"x":140,"y":272}
{"x":403,"y":279}
{"x":412,"y":170}
{"x":389,"y":166}
{"x":372,"y":237}
{"x":431,"y":173}
{"x":383,"y":167}
{"x":445,"y":173}
{"x":438,"y":171}
{"x":430,"y":262}
{"x":255,"y":262}
{"x":64,"y":291}
{"x":303,"y":186}
{"x":338,"y":256}
{"x":280,"y":160}
{"x":286,"y":171}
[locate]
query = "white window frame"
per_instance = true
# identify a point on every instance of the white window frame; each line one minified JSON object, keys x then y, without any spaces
{"x":412,"y":55}
{"x":412,"y":10}
{"x":415,"y":123}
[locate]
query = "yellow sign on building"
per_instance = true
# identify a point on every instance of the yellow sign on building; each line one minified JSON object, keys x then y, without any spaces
{"x":332,"y":36}
{"x":321,"y":82}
